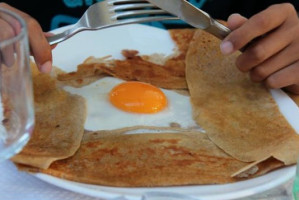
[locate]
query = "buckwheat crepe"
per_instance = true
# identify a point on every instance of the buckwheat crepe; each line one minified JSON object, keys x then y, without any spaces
{"x":159,"y":70}
{"x":184,"y":157}
{"x":151,"y":160}
{"x":59,"y":124}
{"x":240,"y":116}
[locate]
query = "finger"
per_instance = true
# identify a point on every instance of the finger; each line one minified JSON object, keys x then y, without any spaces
{"x":258,"y":25}
{"x":279,"y":80}
{"x":282,"y":59}
{"x":266,"y":47}
{"x":234,"y":21}
{"x":7,"y":51}
{"x":50,"y":34}
{"x":12,"y":21}
{"x":39,"y":46}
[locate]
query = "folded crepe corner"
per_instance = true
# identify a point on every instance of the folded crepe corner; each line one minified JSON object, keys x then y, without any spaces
{"x":258,"y":168}
{"x":59,"y":124}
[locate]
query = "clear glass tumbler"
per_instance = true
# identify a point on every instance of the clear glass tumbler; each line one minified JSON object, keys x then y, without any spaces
{"x":16,"y":108}
{"x":296,"y":183}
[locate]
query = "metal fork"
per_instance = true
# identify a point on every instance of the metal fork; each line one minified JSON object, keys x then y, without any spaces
{"x":110,"y":13}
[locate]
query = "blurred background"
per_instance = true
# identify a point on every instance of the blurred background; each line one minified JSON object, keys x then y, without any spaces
{"x":52,"y":14}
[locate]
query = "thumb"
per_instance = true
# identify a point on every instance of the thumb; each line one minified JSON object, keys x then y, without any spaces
{"x":234,"y":21}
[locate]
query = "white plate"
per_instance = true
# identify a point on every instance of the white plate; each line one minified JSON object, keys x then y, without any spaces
{"x":152,"y":40}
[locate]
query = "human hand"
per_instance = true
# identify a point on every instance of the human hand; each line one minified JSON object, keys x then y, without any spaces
{"x":39,"y":46}
{"x":272,"y":57}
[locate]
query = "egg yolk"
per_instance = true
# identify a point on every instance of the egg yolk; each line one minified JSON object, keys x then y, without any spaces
{"x":138,"y":97}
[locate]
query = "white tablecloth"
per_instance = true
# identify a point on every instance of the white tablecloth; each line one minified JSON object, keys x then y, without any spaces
{"x":16,"y":185}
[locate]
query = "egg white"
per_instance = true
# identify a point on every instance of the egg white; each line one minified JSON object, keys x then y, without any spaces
{"x":102,"y":115}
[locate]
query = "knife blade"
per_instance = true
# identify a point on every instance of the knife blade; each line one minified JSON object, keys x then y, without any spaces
{"x":193,"y":16}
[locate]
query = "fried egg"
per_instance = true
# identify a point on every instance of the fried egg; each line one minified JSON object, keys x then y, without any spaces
{"x":138,"y":97}
{"x":113,"y":103}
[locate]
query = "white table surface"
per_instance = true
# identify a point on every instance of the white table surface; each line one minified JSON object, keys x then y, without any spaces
{"x":16,"y":185}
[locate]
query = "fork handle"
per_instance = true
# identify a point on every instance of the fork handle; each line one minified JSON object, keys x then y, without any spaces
{"x":217,"y":29}
{"x":57,"y":38}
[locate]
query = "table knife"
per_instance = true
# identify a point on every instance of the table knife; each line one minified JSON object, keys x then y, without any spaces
{"x":193,"y":16}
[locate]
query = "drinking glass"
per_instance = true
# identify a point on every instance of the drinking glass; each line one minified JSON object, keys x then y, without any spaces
{"x":296,"y":183}
{"x":16,"y":108}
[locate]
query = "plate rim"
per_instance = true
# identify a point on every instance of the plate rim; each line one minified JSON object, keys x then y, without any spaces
{"x":100,"y":191}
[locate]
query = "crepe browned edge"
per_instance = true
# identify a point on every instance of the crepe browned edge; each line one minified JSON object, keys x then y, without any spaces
{"x":166,"y":72}
{"x":82,"y":78}
{"x":239,"y":116}
{"x":148,"y":160}
{"x":59,"y":124}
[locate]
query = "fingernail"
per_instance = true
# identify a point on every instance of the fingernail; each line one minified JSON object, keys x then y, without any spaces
{"x":236,"y":14}
{"x":46,"y":67}
{"x":226,"y":47}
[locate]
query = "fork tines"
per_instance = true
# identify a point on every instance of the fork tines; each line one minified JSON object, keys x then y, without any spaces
{"x":126,"y":9}
{"x":119,"y":2}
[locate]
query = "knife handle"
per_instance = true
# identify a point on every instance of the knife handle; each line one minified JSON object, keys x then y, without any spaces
{"x":217,"y":29}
